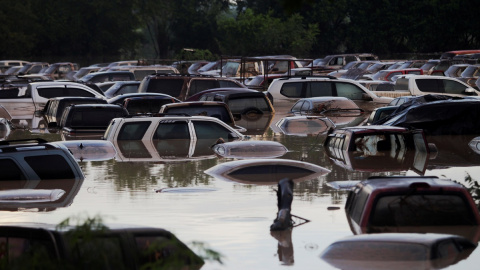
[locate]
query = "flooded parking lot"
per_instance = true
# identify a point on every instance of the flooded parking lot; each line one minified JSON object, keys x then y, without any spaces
{"x":171,"y":190}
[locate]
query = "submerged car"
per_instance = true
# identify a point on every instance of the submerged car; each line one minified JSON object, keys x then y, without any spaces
{"x":412,"y":204}
{"x":438,"y":115}
{"x":37,"y":159}
{"x":170,"y":127}
{"x":398,"y":251}
{"x":303,"y":125}
{"x":94,"y":246}
{"x":266,"y":171}
{"x":289,"y":91}
{"x":379,"y":148}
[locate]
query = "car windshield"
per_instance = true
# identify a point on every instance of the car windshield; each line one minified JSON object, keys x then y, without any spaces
{"x":428,"y":66}
{"x":375,"y":67}
{"x":351,"y":65}
{"x":230,"y":68}
{"x":379,"y":76}
{"x":207,"y":67}
{"x":471,"y":71}
{"x":51,"y":69}
{"x":319,"y":62}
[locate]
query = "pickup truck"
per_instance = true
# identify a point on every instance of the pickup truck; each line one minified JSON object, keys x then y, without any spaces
{"x":417,"y":85}
{"x":24,"y":102}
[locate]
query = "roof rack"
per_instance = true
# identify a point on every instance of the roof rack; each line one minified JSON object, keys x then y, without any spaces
{"x":156,"y":115}
{"x":181,"y":75}
{"x":314,"y":76}
{"x":37,"y":140}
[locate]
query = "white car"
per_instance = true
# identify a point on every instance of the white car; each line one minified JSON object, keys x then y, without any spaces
{"x":170,"y":127}
{"x":289,"y":90}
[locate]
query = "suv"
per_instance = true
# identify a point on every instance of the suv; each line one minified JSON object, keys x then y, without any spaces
{"x":167,"y":127}
{"x":92,"y":246}
{"x":412,"y":204}
{"x":333,"y":62}
{"x":182,"y":87}
{"x":36,"y":159}
{"x":288,"y":91}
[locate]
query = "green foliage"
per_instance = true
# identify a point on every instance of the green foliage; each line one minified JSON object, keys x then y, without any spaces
{"x":101,"y":31}
{"x":473,"y":187}
{"x":252,"y":34}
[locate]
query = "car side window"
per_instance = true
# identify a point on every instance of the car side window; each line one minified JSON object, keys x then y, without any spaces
{"x":133,"y":130}
{"x":453,"y":87}
{"x":319,"y":89}
{"x":200,"y":85}
{"x":172,"y":130}
{"x":51,"y":92}
{"x":79,"y":92}
{"x":50,"y":167}
{"x":210,"y":130}
{"x":349,"y":90}
{"x":292,"y":89}
{"x":10,"y":170}
{"x":306,"y":107}
{"x":430,"y":85}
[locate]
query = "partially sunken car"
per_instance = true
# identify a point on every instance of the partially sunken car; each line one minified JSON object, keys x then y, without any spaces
{"x":289,"y":91}
{"x":164,"y":127}
{"x":37,"y":159}
{"x":266,"y":171}
{"x":373,"y":145}
{"x":303,"y":125}
{"x":398,"y":251}
{"x":412,"y":204}
{"x":94,"y":246}
{"x":379,"y":149}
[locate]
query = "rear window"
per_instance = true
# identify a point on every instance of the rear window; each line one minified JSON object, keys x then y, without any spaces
{"x":420,"y":209}
{"x":213,"y":111}
{"x":94,"y":118}
{"x":146,"y":105}
{"x":50,"y":167}
{"x":172,"y":87}
{"x":241,"y":105}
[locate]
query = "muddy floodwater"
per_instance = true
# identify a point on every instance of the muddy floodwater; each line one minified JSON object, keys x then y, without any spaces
{"x":234,"y":217}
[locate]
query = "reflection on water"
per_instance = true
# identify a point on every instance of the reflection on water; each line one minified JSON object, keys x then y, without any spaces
{"x":235,"y":218}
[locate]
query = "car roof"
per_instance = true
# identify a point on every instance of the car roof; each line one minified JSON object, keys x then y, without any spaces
{"x":406,"y":181}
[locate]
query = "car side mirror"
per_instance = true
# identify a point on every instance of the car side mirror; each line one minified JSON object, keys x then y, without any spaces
{"x":469,"y":91}
{"x":232,"y":135}
{"x":366,"y":97}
